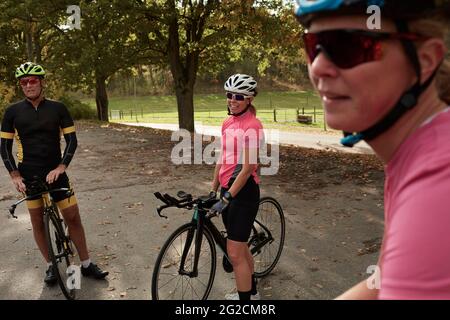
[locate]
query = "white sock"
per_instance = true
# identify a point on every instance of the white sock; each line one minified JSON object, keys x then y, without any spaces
{"x":86,"y":263}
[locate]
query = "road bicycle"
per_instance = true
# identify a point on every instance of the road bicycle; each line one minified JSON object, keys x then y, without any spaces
{"x":186,"y":265}
{"x":60,"y":247}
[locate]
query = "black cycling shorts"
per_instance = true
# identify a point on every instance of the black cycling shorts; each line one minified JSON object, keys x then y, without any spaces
{"x":238,"y":218}
{"x":62,"y":198}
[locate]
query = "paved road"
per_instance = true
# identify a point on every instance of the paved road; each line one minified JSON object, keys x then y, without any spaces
{"x":334,"y":220}
{"x":274,"y":136}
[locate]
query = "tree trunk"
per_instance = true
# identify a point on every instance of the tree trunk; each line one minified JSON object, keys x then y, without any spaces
{"x":185,"y":102}
{"x":184,"y":77}
{"x":29,"y":41}
{"x":37,"y":47}
{"x":101,"y":98}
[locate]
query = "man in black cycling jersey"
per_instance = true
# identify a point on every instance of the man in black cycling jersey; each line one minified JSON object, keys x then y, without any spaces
{"x":37,"y":125}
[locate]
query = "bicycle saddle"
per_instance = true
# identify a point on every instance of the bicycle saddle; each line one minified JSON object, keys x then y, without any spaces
{"x":35,"y":185}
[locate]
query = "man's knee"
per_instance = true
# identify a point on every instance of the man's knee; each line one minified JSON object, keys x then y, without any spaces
{"x":71,"y":215}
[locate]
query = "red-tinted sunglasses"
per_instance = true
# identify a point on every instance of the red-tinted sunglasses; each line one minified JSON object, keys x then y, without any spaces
{"x":347,"y":48}
{"x":31,"y":81}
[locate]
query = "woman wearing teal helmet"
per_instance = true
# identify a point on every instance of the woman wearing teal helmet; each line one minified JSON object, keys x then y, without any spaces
{"x":390,"y":87}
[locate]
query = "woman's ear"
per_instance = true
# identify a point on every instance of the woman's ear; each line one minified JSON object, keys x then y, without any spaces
{"x":431,"y":53}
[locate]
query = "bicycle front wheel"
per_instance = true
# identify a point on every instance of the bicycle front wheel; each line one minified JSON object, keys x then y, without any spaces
{"x":173,"y":281}
{"x":267,"y":237}
{"x":60,"y":253}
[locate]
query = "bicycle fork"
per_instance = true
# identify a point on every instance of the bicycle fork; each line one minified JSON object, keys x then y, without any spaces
{"x":198,"y":233}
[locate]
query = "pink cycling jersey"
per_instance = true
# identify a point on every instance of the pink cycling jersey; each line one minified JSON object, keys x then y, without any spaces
{"x":239,"y":132}
{"x":415,"y":258}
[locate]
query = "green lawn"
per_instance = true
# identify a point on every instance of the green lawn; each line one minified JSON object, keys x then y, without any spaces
{"x":211,"y":108}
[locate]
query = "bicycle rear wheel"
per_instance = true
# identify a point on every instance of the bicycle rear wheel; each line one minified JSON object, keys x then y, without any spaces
{"x":60,"y":252}
{"x":267,"y":237}
{"x":170,"y":280}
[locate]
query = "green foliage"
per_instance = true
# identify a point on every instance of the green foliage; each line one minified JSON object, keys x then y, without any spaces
{"x":6,"y":97}
{"x":78,"y":110}
{"x":3,"y":106}
{"x":171,"y":43}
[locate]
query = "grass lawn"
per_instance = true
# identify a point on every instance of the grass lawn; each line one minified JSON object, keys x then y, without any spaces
{"x":210,"y":109}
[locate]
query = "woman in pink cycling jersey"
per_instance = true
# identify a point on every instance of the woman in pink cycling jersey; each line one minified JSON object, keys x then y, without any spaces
{"x":390,"y":87}
{"x":237,"y":176}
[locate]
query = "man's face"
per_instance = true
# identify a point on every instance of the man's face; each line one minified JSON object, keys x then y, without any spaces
{"x":31,"y":86}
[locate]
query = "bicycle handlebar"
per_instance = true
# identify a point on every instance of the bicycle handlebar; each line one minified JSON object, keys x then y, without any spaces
{"x":186,"y":201}
{"x":12,"y":209}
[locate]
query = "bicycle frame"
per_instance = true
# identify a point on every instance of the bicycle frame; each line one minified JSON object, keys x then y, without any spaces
{"x":190,"y":252}
{"x":203,"y":221}
{"x":49,"y":209}
{"x":44,"y":194}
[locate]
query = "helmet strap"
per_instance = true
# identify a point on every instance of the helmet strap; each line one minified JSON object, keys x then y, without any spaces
{"x":240,"y":113}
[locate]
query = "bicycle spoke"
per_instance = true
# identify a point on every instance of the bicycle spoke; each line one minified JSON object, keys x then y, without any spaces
{"x":173,"y":285}
{"x":271,"y":229}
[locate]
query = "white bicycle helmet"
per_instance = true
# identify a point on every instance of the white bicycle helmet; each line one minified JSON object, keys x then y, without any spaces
{"x":241,"y":83}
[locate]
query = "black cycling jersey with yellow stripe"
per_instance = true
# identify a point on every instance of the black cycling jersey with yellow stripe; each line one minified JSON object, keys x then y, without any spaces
{"x":38,"y":134}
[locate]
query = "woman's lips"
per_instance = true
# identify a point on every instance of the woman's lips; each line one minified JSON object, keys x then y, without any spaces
{"x":330,"y":98}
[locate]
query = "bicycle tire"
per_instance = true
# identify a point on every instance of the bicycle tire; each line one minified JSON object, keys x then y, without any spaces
{"x":268,"y":256}
{"x":158,"y":293}
{"x":59,"y":256}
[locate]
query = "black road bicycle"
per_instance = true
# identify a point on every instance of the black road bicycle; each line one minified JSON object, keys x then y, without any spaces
{"x":60,"y":247}
{"x":186,"y":265}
